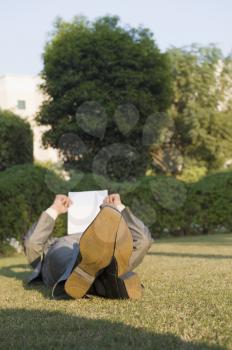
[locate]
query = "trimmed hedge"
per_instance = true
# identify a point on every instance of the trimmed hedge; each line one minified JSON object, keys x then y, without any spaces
{"x":182,"y":208}
{"x":168,"y":206}
{"x":172,"y":207}
{"x":209,"y":204}
{"x":16,"y":140}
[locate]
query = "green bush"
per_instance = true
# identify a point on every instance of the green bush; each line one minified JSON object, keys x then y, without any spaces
{"x":154,"y":199}
{"x":172,"y":207}
{"x":23,"y":195}
{"x":209,"y":204}
{"x":6,"y":249}
{"x":16,"y":140}
{"x":159,"y":201}
{"x":27,"y":190}
{"x":202,"y":207}
{"x":168,"y":206}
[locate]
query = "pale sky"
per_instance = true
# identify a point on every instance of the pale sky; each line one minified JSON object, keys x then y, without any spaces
{"x":25,"y":24}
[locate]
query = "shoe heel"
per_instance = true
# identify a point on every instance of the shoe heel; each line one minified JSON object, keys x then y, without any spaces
{"x":78,"y":283}
{"x":132,"y":285}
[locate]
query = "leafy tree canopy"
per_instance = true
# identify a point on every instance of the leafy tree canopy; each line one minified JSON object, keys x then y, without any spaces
{"x":201,"y":108}
{"x":102,"y":81}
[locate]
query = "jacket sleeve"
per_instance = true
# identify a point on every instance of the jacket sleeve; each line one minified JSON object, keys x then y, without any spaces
{"x":37,"y":237}
{"x":141,"y":235}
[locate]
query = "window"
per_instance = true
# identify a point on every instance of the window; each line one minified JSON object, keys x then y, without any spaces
{"x":21,"y":104}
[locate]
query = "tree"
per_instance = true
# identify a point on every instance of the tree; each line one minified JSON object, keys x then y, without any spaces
{"x":201,"y":107}
{"x":102,"y":81}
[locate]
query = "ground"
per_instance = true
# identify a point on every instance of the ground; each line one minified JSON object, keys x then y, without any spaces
{"x":187,"y":304}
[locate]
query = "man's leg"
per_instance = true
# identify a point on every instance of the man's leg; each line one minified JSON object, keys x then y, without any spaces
{"x":96,"y":251}
{"x":117,"y":281}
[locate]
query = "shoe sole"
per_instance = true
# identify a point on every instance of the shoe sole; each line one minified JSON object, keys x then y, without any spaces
{"x":123,"y":248}
{"x":121,"y":283}
{"x":96,"y":249}
{"x":128,"y":283}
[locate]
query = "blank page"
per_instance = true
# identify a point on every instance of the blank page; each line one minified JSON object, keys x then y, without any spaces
{"x":85,"y":207}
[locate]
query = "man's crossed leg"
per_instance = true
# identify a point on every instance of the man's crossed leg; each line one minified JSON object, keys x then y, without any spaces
{"x":105,"y":249}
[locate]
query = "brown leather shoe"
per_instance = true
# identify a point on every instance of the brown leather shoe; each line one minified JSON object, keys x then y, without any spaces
{"x":123,"y":247}
{"x":117,"y":281}
{"x":126,"y":286}
{"x":96,"y":249}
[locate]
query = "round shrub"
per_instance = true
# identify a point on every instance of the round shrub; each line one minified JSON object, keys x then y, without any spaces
{"x":16,"y":140}
{"x":23,"y":195}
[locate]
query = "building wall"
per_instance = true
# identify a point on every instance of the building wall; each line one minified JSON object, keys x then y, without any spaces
{"x":21,"y":95}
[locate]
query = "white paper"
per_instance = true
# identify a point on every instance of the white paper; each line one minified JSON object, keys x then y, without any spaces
{"x":85,"y":207}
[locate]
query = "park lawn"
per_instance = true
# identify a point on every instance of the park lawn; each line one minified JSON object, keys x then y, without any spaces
{"x":187,"y":304}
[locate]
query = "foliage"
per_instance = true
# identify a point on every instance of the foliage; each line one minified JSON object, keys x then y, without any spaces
{"x":16,"y":140}
{"x":6,"y":249}
{"x":167,"y":205}
{"x":172,"y":207}
{"x":195,"y":80}
{"x":209,"y":202}
{"x":103,"y":81}
{"x":24,"y":195}
{"x":205,"y":136}
{"x":201,"y":107}
{"x":192,"y":171}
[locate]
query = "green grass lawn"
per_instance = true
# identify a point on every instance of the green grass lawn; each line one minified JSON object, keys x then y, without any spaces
{"x":187,"y":304}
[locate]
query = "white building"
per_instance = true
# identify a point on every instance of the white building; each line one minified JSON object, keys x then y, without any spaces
{"x":21,"y":95}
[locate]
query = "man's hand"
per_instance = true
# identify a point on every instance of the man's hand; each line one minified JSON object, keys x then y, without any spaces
{"x":61,"y":204}
{"x":113,"y":199}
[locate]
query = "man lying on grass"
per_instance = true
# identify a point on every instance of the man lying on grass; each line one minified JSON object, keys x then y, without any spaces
{"x":98,"y":262}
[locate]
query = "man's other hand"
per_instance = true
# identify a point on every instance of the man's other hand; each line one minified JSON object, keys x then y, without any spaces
{"x":113,"y":199}
{"x":61,"y":203}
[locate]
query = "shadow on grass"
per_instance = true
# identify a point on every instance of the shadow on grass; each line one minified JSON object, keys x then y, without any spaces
{"x":34,"y":329}
{"x":22,"y":272}
{"x":188,"y":255}
{"x":19,"y":271}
